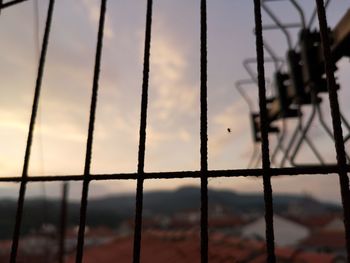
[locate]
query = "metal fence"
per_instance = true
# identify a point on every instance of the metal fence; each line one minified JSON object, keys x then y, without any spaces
{"x":266,"y":172}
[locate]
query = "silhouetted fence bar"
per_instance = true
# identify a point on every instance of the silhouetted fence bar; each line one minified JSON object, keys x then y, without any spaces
{"x":336,"y":120}
{"x":270,"y":246}
{"x":307,"y":170}
{"x":63,"y":223}
{"x":22,"y":190}
{"x":86,"y":180}
{"x":142,"y":137}
{"x":204,"y":132}
{"x":266,"y":172}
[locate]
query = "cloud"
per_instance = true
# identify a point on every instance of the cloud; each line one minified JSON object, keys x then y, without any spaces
{"x":93,"y":8}
{"x":173,"y":94}
{"x":158,"y":137}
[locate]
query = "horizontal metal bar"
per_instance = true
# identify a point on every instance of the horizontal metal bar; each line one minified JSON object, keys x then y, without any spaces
{"x":304,"y":170}
{"x":8,"y":4}
{"x":290,"y":25}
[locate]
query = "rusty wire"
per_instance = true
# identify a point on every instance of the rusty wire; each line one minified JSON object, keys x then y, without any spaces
{"x":87,"y":165}
{"x":142,"y":142}
{"x":204,"y":133}
{"x":302,"y":170}
{"x":203,"y":174}
{"x":37,"y":91}
{"x":336,"y":120}
{"x":270,"y":246}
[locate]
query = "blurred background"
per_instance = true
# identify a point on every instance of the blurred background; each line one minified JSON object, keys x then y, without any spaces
{"x":308,"y":214}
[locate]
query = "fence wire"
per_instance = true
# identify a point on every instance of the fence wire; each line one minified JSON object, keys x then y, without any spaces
{"x":266,"y":172}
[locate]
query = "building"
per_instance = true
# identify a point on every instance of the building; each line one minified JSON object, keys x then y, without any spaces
{"x":183,"y":246}
{"x":287,"y":232}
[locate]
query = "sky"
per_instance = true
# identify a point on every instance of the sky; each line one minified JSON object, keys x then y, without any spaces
{"x":173,"y":115}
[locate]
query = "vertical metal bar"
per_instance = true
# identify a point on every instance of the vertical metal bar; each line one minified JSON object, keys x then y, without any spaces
{"x":204,"y":133}
{"x":270,"y":246}
{"x":86,"y":181}
{"x":63,"y":223}
{"x":22,"y":190}
{"x":142,"y":135}
{"x":314,"y":13}
{"x":336,"y":120}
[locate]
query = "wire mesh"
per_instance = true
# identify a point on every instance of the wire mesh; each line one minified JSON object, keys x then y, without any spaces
{"x":266,"y":172}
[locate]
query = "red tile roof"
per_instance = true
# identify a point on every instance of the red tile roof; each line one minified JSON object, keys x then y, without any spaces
{"x":295,"y":256}
{"x":282,"y":255}
{"x":183,"y":246}
{"x":310,"y":257}
{"x":225,"y":222}
{"x":325,"y":239}
{"x":315,"y":222}
{"x":259,"y":259}
{"x":169,"y":247}
{"x":153,"y":250}
{"x":285,"y":253}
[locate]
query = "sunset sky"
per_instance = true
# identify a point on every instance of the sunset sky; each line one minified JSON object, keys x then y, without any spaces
{"x":173,"y":116}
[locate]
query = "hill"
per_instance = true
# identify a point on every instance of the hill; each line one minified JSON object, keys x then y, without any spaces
{"x":111,"y":210}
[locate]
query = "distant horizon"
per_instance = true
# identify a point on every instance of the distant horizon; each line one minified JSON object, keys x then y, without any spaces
{"x":11,"y":194}
{"x":173,"y":127}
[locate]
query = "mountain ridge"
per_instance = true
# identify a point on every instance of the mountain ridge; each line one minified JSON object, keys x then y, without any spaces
{"x":111,"y":210}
